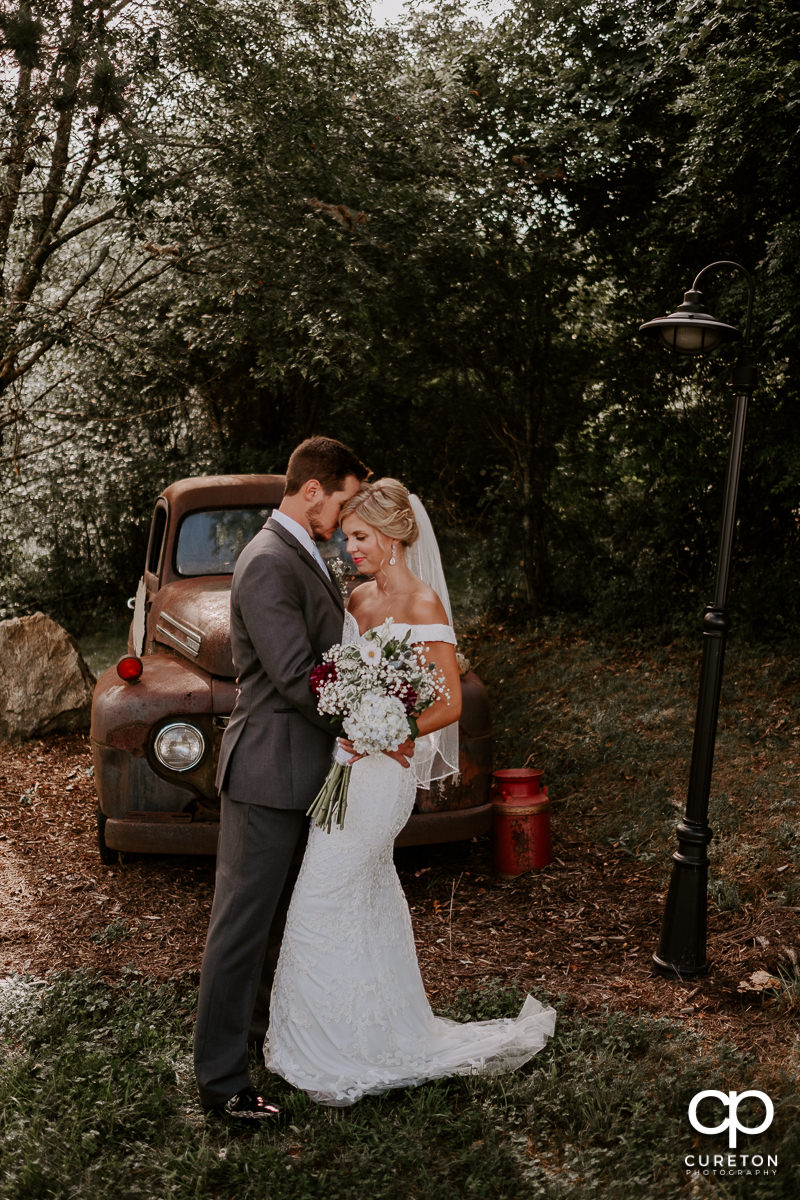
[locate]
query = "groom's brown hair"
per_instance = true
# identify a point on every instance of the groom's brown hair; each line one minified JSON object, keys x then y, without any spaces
{"x":324,"y":459}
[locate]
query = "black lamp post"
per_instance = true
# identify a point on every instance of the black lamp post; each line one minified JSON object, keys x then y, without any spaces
{"x":682,"y":949}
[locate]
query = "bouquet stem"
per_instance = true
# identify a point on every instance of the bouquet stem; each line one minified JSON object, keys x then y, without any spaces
{"x":330,"y":803}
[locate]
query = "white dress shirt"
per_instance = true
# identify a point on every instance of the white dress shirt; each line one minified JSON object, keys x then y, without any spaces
{"x":303,"y":536}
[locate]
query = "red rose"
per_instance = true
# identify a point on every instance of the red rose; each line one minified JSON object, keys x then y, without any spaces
{"x":407,"y":696}
{"x":321,"y":675}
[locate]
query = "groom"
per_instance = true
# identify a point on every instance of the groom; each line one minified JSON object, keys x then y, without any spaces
{"x":285,"y":613}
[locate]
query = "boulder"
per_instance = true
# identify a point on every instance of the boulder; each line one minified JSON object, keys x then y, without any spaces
{"x":45,"y":686}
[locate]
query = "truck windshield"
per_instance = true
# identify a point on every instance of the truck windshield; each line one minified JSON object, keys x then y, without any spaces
{"x":209,"y":543}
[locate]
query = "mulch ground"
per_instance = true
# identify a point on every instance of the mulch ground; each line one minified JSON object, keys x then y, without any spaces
{"x":583,"y":929}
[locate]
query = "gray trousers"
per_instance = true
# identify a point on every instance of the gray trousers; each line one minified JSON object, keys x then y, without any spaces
{"x":257,"y":861}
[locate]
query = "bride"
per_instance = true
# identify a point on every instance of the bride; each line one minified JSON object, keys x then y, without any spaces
{"x":349,"y":1014}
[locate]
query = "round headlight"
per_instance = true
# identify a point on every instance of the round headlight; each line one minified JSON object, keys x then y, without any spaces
{"x":179,"y":747}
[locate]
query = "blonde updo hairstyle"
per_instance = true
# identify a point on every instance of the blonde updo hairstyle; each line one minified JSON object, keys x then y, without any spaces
{"x":385,"y":506}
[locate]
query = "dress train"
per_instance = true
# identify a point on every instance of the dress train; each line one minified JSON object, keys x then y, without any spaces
{"x":349,"y":1013}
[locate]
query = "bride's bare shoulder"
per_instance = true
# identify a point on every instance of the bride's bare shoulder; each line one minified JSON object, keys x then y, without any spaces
{"x":361,"y":597}
{"x":425,"y":607}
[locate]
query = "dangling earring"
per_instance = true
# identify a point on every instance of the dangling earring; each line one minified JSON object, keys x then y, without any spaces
{"x":392,"y":560}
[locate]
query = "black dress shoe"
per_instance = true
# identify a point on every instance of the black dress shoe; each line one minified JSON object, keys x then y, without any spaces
{"x":246,"y":1107}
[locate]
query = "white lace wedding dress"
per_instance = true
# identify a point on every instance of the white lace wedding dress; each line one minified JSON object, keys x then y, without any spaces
{"x":349,"y":1014}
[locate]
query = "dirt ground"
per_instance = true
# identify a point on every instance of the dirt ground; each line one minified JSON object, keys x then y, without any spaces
{"x":584,"y":928}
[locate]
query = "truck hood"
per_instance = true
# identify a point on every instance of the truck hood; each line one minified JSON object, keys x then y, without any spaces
{"x":192,"y":616}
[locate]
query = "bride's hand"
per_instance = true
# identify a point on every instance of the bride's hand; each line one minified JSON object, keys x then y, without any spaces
{"x":403,"y":754}
{"x":349,"y":748}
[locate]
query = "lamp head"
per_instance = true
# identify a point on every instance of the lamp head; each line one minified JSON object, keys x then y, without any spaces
{"x":689,"y":330}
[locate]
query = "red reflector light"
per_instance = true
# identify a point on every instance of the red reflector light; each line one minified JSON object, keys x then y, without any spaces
{"x":130,"y":668}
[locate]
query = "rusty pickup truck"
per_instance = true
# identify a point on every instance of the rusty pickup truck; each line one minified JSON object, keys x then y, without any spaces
{"x":159,"y":714}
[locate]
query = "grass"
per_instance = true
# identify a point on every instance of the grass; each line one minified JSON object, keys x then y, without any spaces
{"x":105,"y":645}
{"x":612,"y":728}
{"x":96,"y":1087}
{"x":97,"y":1100}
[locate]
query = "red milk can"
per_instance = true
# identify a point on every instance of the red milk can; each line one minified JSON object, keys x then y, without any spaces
{"x":520,"y":822}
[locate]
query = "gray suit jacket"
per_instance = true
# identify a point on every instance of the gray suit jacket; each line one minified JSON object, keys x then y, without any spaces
{"x":285,"y":613}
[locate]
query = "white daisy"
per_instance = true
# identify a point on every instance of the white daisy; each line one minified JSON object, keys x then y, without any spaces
{"x":371,"y":653}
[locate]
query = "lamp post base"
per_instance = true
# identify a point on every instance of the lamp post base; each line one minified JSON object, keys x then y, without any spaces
{"x":670,"y":971}
{"x":682,"y":950}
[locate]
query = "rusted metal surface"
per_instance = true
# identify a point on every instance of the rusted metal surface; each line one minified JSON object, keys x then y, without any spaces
{"x":125,"y":781}
{"x":157,"y":837}
{"x":124,"y":713}
{"x":424,"y":829}
{"x":138,"y":835}
{"x":475,"y":722}
{"x":192,"y":617}
{"x":474,"y":756}
{"x":209,"y":492}
{"x":223,"y":698}
{"x":521,"y":822}
{"x":188,"y":675}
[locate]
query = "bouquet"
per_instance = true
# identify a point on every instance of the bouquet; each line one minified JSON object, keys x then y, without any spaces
{"x":376,"y":688}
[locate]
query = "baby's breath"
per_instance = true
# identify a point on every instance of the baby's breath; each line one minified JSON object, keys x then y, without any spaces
{"x":372,"y":688}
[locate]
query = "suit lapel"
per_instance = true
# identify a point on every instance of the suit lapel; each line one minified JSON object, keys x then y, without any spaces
{"x":306,"y":559}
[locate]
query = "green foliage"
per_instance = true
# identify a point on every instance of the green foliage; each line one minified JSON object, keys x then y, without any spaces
{"x":437,"y":241}
{"x":22,"y":35}
{"x":97,"y":1098}
{"x":611,"y":727}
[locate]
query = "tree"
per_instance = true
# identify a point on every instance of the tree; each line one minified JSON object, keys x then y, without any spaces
{"x":436,"y":241}
{"x":720,"y":170}
{"x":80,"y":81}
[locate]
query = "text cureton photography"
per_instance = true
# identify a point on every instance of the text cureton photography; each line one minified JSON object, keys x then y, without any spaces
{"x":730,"y":1164}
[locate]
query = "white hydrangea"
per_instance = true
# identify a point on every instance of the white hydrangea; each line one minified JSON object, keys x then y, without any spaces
{"x":377,"y":723}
